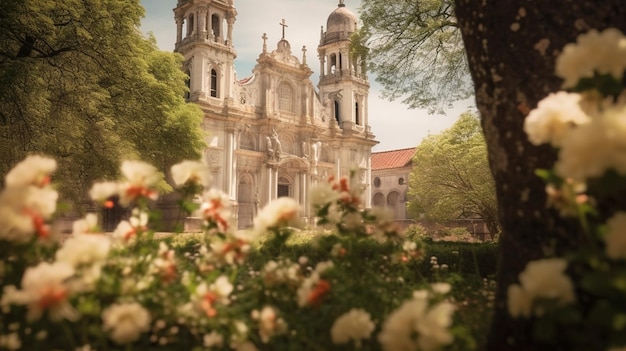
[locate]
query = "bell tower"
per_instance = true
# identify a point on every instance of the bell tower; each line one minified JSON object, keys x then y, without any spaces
{"x":204,"y":36}
{"x":343,"y":77}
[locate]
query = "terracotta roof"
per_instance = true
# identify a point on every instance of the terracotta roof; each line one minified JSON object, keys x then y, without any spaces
{"x":392,"y":158}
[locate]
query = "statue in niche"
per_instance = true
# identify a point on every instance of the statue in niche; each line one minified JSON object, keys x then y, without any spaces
{"x":317,"y":150}
{"x":274,"y":147}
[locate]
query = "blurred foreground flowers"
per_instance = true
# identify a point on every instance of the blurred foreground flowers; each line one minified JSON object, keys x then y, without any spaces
{"x":127,"y":290}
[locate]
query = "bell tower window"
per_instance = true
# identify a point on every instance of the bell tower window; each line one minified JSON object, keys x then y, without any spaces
{"x":336,"y":105}
{"x":213,"y":83}
{"x":356,"y":114}
{"x":333,"y":63}
{"x":190,"y":25}
{"x":215,"y":26}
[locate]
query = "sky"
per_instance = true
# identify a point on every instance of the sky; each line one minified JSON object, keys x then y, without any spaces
{"x":394,"y":125}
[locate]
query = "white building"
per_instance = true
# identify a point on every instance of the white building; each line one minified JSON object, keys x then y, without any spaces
{"x":274,"y":133}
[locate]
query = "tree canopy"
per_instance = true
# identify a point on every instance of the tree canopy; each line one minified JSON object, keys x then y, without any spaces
{"x":451,"y":178}
{"x":416,"y":51}
{"x":79,"y":82}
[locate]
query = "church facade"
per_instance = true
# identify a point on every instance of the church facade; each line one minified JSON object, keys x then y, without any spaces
{"x":274,"y":133}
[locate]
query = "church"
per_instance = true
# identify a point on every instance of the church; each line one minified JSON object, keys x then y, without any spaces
{"x":275,"y":133}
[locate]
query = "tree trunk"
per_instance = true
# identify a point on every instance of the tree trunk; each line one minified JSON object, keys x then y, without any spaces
{"x":512,"y":47}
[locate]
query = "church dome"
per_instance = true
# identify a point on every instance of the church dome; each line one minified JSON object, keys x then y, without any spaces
{"x":341,"y":23}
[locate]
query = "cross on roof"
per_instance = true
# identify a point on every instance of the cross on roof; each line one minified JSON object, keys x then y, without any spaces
{"x":283,"y":24}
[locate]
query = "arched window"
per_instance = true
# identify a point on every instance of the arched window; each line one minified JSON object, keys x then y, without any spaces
{"x":190,"y":24}
{"x":215,"y":26}
{"x":214,"y":83}
{"x":284,"y":187}
{"x":393,"y":200}
{"x":333,"y":63}
{"x":378,"y":200}
{"x":337,"y":117}
{"x":285,"y":97}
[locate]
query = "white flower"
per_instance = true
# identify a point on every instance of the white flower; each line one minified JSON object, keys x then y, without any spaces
{"x":415,"y":326}
{"x":24,"y":212}
{"x":31,"y":200}
{"x":282,"y":211}
{"x":141,"y":178}
{"x":555,"y":115}
{"x":355,"y":324}
{"x":616,"y":236}
{"x":321,"y":194}
{"x":14,"y":226}
{"x":125,"y":321}
{"x":246,"y":346}
{"x":433,"y":327}
{"x":45,"y":288}
{"x":216,"y":209}
{"x":519,"y":302}
{"x":10,"y":341}
{"x":86,"y":225}
{"x":352,"y":221}
{"x":604,"y":53}
{"x":190,"y":171}
{"x":124,"y":232}
{"x":84,"y":249}
{"x":206,"y":297}
{"x":591,"y":149}
{"x":101,"y":191}
{"x":541,"y":279}
{"x":213,"y":339}
{"x":269,"y":323}
{"x":34,"y":170}
{"x":441,"y":288}
{"x":313,"y":287}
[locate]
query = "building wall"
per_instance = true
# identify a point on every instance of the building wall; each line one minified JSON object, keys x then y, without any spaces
{"x":389,"y":189}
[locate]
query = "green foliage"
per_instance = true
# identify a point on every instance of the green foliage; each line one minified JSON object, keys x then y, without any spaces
{"x":79,"y":82}
{"x":416,"y":51}
{"x":451,"y":178}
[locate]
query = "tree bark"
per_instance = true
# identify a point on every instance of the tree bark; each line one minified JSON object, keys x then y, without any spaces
{"x":512,"y":47}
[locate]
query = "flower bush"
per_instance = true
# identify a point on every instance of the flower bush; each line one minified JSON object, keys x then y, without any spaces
{"x":578,"y":301}
{"x":222,"y":289}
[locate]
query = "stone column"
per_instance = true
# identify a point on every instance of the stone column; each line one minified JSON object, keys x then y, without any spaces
{"x":231,"y":21}
{"x":228,"y":169}
{"x":179,"y":29}
{"x":202,"y":12}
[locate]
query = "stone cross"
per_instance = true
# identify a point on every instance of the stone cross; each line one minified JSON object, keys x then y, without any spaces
{"x":283,"y":24}
{"x":264,"y":37}
{"x":304,"y":54}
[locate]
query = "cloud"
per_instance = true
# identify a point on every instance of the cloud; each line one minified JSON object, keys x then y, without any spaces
{"x":394,"y":125}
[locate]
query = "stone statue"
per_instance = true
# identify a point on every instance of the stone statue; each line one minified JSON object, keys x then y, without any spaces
{"x":274,"y":147}
{"x":317,"y":150}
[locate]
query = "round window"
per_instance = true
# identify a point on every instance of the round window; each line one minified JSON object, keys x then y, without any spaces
{"x":401,"y":181}
{"x":377,"y":182}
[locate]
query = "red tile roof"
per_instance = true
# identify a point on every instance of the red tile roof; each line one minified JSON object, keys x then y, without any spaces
{"x":392,"y":158}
